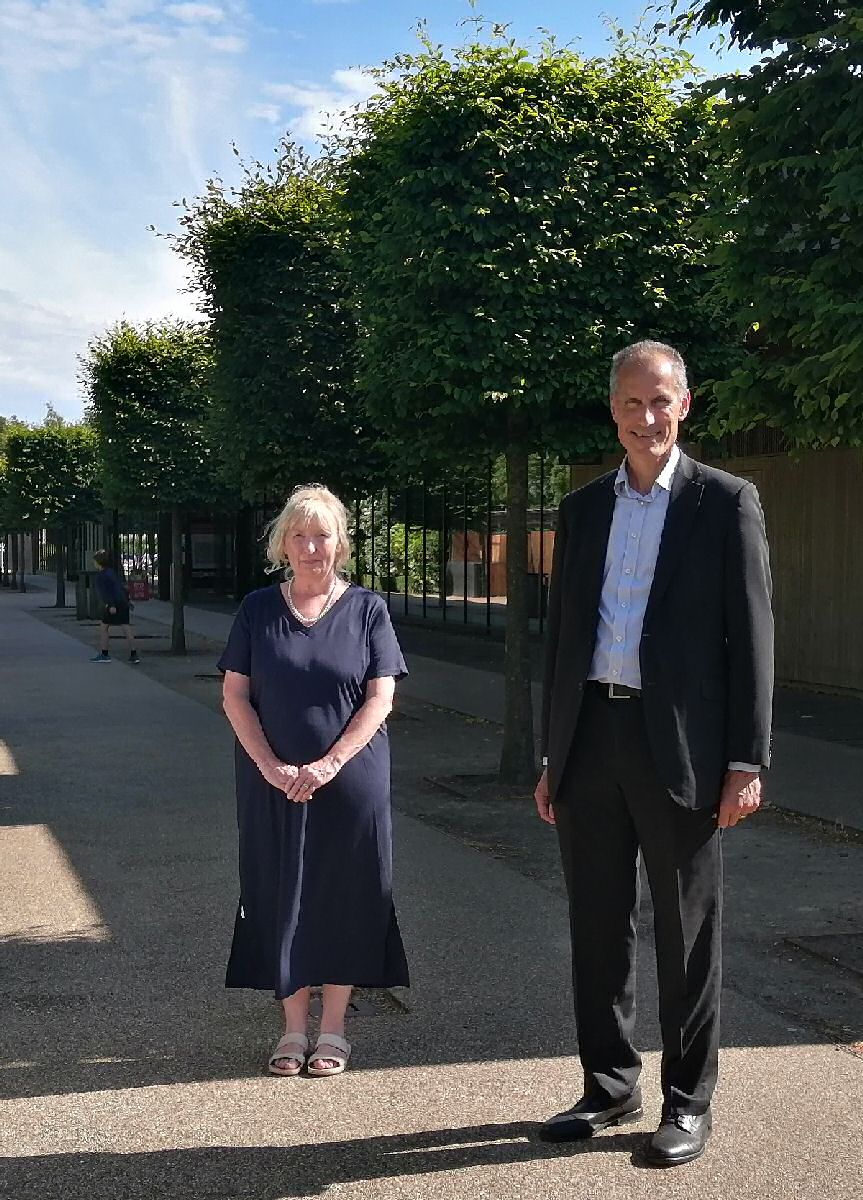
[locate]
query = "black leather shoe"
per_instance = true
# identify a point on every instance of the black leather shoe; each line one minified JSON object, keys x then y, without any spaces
{"x":590,"y":1116}
{"x":680,"y":1138}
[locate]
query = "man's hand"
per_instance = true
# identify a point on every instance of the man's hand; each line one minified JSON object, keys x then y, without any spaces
{"x":312,"y":776}
{"x":543,"y":804}
{"x":739,"y":798}
{"x":112,"y":608}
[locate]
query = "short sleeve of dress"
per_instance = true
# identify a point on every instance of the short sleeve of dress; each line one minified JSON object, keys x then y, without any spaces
{"x":237,"y":655}
{"x":385,"y":653}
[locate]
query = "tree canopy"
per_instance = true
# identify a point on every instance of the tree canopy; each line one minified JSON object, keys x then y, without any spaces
{"x":7,"y":426}
{"x":8,"y":517}
{"x":514,"y":218}
{"x":761,"y":24}
{"x":51,"y":475}
{"x":50,"y":482}
{"x":789,"y":228}
{"x":284,"y":335}
{"x":148,"y":394}
{"x":7,"y":520}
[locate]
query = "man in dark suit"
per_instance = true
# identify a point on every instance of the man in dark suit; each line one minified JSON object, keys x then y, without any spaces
{"x":656,"y":722}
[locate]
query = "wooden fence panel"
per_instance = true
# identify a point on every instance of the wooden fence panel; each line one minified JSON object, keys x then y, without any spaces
{"x":813,"y":507}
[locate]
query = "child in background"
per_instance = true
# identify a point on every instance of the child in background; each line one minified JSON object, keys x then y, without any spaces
{"x":114,"y":599}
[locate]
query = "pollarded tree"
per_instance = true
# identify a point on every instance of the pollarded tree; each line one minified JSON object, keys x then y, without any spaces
{"x":8,"y":518}
{"x":6,"y":525}
{"x":283,"y":333}
{"x":513,"y":219}
{"x":51,"y":484}
{"x":149,"y":398}
{"x":790,"y":225}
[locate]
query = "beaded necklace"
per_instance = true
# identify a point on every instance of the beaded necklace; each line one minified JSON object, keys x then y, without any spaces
{"x":328,"y":604}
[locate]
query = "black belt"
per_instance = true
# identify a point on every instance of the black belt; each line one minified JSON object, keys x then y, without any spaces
{"x":614,"y":691}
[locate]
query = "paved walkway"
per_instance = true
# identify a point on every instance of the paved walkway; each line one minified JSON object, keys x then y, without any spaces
{"x":810,"y":775}
{"x":126,"y":1069}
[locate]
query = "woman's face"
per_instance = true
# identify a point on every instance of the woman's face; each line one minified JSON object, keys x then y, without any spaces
{"x":310,"y":548}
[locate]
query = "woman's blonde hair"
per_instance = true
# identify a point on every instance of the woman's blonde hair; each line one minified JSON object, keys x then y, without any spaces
{"x":308,"y":502}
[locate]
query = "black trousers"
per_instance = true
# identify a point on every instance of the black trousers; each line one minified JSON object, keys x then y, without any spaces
{"x":611,"y":804}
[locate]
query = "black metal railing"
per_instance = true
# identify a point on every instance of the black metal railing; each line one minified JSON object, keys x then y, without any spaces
{"x":436,"y":548}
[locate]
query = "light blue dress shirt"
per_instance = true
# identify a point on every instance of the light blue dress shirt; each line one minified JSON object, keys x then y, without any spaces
{"x":630,"y":563}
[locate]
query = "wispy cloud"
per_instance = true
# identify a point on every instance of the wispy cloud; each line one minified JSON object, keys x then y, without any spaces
{"x":109,"y":112}
{"x":322,"y":107}
{"x":272,"y":113}
{"x":36,"y":342}
{"x":195,"y":12}
{"x":228,"y":43}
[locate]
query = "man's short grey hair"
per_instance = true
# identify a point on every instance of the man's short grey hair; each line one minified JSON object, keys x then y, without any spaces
{"x":644,"y":352}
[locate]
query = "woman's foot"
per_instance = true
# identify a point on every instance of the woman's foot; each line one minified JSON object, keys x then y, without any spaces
{"x":289,"y":1055}
{"x":330,"y":1055}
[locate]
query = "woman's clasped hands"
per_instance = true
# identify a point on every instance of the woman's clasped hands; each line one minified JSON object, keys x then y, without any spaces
{"x":300,"y":783}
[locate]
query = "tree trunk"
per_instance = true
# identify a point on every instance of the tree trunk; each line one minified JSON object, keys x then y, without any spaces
{"x":163,"y":552}
{"x":223,"y":583}
{"x":22,"y":586}
{"x":517,"y":763}
{"x":13,"y":559}
{"x":60,"y":569}
{"x":178,"y":625}
{"x":244,"y":551}
{"x":116,"y":548}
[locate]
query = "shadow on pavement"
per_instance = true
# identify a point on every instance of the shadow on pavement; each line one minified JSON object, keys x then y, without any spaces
{"x":275,"y":1172}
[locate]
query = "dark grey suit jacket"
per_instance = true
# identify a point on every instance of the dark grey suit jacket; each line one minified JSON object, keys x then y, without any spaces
{"x":706,"y":648}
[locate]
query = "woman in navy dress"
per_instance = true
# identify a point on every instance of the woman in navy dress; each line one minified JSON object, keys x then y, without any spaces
{"x":310,"y":669}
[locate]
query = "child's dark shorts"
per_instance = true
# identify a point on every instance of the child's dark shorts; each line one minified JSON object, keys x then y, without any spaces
{"x":119,"y":617}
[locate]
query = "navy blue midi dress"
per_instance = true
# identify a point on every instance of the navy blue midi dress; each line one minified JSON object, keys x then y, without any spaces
{"x":316,"y":878}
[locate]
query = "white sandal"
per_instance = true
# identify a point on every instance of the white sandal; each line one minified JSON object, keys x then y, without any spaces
{"x":329,"y":1041}
{"x":290,"y":1041}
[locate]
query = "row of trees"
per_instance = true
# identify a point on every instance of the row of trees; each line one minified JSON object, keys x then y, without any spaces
{"x":47,"y":481}
{"x":448,"y":281}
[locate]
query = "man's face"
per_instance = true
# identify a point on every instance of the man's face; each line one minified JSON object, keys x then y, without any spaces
{"x":647,"y":408}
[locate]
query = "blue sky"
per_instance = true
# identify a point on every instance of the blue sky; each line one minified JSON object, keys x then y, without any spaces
{"x":110,"y":110}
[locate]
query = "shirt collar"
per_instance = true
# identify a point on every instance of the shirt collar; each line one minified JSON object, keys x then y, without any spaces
{"x":663,"y":479}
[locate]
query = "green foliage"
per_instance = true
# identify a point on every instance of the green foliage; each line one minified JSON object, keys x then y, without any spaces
{"x":393,"y":565}
{"x":50,"y":476}
{"x":284,"y":335}
{"x":554,"y":481}
{"x":761,"y":24}
{"x":8,"y":426}
{"x":512,"y":220}
{"x":148,"y":392}
{"x":789,"y":226}
{"x":7,"y":517}
{"x":52,"y":419}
